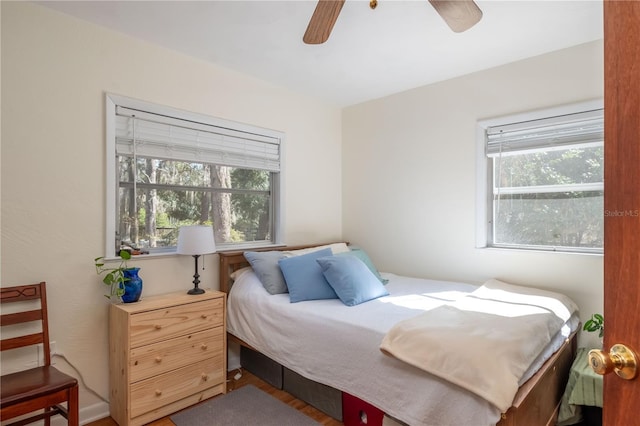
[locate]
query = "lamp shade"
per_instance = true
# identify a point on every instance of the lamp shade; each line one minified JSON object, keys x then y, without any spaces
{"x":196,"y":239}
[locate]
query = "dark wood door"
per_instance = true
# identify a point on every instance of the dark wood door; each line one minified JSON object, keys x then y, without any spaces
{"x":622,"y":201}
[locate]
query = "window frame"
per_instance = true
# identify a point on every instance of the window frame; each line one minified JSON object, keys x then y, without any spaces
{"x":484,"y":175}
{"x":112,"y":101}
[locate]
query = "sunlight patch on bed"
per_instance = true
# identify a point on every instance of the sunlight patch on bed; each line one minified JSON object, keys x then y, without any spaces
{"x":512,"y":304}
{"x":499,"y":308}
{"x":424,"y":301}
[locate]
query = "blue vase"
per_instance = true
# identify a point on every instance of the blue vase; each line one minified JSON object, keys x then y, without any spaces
{"x":132,"y":285}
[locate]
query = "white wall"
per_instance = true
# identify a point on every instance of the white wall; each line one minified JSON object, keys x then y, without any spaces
{"x":421,"y":222}
{"x":409,"y":175}
{"x":55,"y":72}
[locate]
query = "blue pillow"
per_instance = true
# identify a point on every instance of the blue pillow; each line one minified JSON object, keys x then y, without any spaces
{"x":351,"y":279}
{"x":265,"y":265}
{"x":304,"y":278}
{"x":362,"y":255}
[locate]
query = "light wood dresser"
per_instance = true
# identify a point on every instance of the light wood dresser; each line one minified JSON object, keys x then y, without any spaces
{"x":166,"y":353}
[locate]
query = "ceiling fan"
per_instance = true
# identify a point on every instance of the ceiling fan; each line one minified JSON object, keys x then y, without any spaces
{"x":460,"y":15}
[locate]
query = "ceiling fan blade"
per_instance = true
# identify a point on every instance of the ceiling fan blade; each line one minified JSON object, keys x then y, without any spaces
{"x":460,"y":15}
{"x":322,"y":21}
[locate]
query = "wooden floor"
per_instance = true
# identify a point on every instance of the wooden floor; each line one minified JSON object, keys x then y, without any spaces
{"x":249,"y":379}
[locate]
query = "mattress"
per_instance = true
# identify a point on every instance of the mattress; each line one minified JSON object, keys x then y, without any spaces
{"x":338,"y":346}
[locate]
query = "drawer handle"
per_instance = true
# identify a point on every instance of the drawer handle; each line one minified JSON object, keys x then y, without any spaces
{"x":205,"y":377}
{"x":158,"y":392}
{"x":158,"y":359}
{"x":204,"y":316}
{"x":158,"y":326}
{"x":204,"y":346}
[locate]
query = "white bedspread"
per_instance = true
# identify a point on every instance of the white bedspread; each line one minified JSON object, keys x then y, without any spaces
{"x":338,"y":346}
{"x":485,"y":341}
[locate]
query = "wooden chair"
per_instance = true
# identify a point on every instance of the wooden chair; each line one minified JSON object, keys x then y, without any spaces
{"x":41,"y":389}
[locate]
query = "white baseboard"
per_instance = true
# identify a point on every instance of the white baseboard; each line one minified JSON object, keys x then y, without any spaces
{"x":88,"y":414}
{"x":94,"y":412}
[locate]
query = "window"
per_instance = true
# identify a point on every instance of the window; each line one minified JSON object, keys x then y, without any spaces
{"x":545,"y":182}
{"x":168,"y":168}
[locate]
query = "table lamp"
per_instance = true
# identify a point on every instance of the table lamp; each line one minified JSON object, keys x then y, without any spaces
{"x":196,"y":240}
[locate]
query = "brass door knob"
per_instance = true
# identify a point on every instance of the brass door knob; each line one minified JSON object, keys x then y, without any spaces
{"x":620,"y":359}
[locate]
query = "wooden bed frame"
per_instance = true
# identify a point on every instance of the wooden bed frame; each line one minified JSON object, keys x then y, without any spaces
{"x":537,"y":402}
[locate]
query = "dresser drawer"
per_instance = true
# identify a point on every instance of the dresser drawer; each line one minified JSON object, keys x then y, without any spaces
{"x":164,"y":389}
{"x":173,"y":321}
{"x":150,"y":360}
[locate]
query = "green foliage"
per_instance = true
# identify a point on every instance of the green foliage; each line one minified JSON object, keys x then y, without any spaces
{"x":251,"y":210}
{"x":595,"y":323}
{"x":235,"y":200}
{"x":556,"y":218}
{"x":113,"y":277}
{"x":236,"y":236}
{"x":552,"y":167}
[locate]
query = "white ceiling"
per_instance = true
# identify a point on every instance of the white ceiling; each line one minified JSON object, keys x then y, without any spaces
{"x":371,"y":53}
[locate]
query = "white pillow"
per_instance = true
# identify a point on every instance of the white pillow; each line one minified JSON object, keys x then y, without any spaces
{"x":236,"y":274}
{"x":335,"y":249}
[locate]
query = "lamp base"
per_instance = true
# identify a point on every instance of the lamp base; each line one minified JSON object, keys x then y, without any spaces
{"x":196,"y":279}
{"x":196,"y":291}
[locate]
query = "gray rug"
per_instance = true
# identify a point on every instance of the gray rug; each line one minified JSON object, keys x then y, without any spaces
{"x":246,"y":406}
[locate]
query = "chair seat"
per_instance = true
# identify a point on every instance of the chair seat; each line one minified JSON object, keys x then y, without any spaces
{"x":33,"y":383}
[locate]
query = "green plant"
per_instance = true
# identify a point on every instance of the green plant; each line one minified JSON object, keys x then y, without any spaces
{"x":595,"y":323}
{"x":113,"y":277}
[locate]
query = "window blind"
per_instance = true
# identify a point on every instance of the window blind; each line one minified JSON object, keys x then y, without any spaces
{"x":157,"y":136}
{"x":584,"y":128}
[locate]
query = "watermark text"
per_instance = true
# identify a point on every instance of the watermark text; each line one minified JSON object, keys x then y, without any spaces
{"x":622,"y":213}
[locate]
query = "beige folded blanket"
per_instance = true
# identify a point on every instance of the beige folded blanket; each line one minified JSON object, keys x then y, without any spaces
{"x":485,"y":341}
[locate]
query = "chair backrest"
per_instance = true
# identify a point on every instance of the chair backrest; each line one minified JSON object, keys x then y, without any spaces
{"x":25,"y":293}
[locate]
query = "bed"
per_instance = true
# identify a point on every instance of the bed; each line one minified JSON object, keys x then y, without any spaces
{"x":298,"y":336}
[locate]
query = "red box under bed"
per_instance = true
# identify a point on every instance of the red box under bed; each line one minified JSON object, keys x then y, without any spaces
{"x":356,"y":412}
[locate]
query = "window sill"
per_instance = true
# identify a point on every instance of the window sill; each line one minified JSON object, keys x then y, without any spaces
{"x":224,"y":248}
{"x":540,"y":250}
